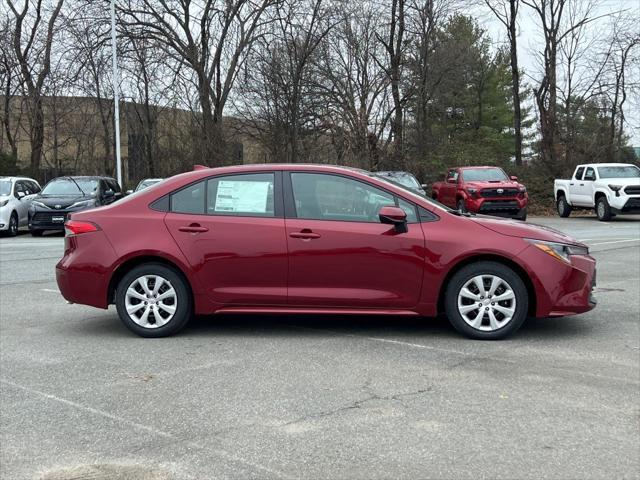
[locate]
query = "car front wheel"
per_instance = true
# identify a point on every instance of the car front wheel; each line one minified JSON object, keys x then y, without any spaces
{"x":486,"y":301}
{"x":153,"y":300}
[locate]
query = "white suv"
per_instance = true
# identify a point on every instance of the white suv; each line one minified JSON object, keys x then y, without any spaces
{"x":609,"y":188}
{"x":16,"y":194}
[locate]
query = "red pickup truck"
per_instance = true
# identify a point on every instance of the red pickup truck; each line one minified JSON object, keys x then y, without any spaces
{"x":485,"y":190}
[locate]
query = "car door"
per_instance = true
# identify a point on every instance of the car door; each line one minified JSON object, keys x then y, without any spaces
{"x":450,"y":187}
{"x":231,"y":230}
{"x":340,"y":255}
{"x":584,"y":188}
{"x":574,"y":186}
{"x":24,"y":193}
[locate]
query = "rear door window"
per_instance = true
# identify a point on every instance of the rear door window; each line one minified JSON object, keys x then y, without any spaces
{"x":190,"y":199}
{"x":242,"y":195}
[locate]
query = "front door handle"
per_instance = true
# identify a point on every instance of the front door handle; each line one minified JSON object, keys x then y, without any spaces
{"x":193,"y":228}
{"x":571,"y":184}
{"x":305,"y":234}
{"x":582,"y":184}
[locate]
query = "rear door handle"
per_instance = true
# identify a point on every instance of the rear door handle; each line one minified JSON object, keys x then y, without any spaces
{"x":193,"y":228}
{"x":571,"y":184}
{"x":304,"y":235}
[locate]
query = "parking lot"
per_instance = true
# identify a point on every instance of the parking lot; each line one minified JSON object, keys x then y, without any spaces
{"x":319,"y":397}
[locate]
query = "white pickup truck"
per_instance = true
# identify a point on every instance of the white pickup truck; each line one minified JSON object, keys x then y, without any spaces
{"x":609,"y":188}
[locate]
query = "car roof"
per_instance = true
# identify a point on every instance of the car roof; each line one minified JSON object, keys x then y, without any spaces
{"x":606,"y":165}
{"x":478,"y":167}
{"x":13,"y":179}
{"x":84,"y":177}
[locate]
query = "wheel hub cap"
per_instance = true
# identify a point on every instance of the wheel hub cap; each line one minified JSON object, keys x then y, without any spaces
{"x":486,"y":302}
{"x":151,"y":301}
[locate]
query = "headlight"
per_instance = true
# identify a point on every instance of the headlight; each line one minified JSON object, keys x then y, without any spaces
{"x":615,"y":188}
{"x":523,"y":189}
{"x":4,"y":202}
{"x":560,"y":251}
{"x":84,"y":203}
{"x":38,"y":204}
{"x":472,"y":191}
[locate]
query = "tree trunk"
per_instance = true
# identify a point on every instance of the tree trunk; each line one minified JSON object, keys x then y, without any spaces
{"x":515,"y":85}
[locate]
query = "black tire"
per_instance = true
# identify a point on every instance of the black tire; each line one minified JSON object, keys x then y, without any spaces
{"x":603,"y":209}
{"x":12,"y":230}
{"x":522,"y":215}
{"x":563,"y":207}
{"x":487,"y":268}
{"x":460,"y":205}
{"x":184,"y":308}
{"x":37,"y":233}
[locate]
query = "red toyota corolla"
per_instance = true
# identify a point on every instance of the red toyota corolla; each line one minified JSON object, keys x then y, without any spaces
{"x":314,"y":239}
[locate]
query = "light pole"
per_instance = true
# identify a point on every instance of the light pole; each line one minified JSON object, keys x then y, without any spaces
{"x":116,"y":92}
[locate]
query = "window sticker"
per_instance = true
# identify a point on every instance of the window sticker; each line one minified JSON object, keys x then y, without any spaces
{"x":242,"y":196}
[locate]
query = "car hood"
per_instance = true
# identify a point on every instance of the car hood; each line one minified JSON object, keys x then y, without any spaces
{"x":626,"y":181}
{"x":516,"y":228}
{"x":481,"y":185}
{"x":63,"y":201}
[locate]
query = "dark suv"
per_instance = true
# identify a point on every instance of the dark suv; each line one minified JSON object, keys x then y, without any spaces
{"x":65,"y":195}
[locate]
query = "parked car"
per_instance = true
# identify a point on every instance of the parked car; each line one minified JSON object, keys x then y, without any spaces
{"x":16,"y":194}
{"x":609,"y":188}
{"x":487,"y":190}
{"x":293,"y":239}
{"x":405,"y":179}
{"x":64,"y":195}
{"x":147,"y":182}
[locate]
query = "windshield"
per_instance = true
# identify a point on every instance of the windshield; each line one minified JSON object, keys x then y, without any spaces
{"x":147,"y":183}
{"x":484,"y":175}
{"x":67,"y":186}
{"x":409,"y":189}
{"x":630,"y":171}
{"x":5,"y":187}
{"x":403,"y":178}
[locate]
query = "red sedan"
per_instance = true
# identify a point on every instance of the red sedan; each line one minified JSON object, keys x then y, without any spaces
{"x":314,"y":239}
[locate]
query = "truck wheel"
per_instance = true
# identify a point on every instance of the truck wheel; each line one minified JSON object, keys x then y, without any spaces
{"x":522,"y":215}
{"x":603,"y":210}
{"x":461,"y":206}
{"x":564,"y":209}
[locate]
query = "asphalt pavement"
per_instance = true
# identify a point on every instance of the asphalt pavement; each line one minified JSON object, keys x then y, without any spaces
{"x":319,"y":397}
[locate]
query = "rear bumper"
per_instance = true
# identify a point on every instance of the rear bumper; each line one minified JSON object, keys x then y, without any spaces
{"x":83,"y":274}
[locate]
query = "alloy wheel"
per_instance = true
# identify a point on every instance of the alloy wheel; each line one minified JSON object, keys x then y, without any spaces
{"x":486,"y":302}
{"x":151,"y":301}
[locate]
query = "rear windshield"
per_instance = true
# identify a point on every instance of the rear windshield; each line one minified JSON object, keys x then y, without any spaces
{"x":68,"y":186}
{"x":484,"y":175}
{"x":5,"y":187}
{"x":619,"y":172}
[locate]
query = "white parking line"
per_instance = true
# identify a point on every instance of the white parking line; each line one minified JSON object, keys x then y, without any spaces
{"x":140,"y":426}
{"x":51,"y":290}
{"x":616,"y":241}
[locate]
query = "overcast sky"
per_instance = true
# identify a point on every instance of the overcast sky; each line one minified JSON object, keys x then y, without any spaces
{"x":530,"y":45}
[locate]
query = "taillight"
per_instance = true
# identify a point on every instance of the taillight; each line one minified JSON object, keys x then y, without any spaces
{"x":75,"y":227}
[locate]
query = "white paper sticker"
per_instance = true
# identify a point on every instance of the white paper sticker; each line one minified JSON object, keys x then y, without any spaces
{"x":242,"y":196}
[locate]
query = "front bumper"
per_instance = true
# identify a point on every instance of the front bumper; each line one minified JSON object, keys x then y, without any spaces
{"x":504,"y":207}
{"x":50,"y":219}
{"x":624,"y":204}
{"x":5,"y":215}
{"x":561,"y":288}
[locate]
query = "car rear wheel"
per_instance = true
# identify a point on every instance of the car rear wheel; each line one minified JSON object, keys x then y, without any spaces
{"x":486,"y":301}
{"x":153,"y":300}
{"x":603,"y":209}
{"x":13,"y":225}
{"x":461,"y":206}
{"x":564,"y":209}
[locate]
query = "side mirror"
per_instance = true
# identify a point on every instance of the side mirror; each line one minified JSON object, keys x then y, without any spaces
{"x":514,"y":178}
{"x":451,"y":180}
{"x":394,"y":216}
{"x":109,"y":193}
{"x":20,"y":195}
{"x":424,"y":186}
{"x":129,"y":192}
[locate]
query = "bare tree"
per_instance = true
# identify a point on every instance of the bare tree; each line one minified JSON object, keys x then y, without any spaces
{"x":10,"y":85}
{"x":555,"y":29}
{"x":32,"y":43}
{"x":210,"y":37}
{"x":506,"y":11}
